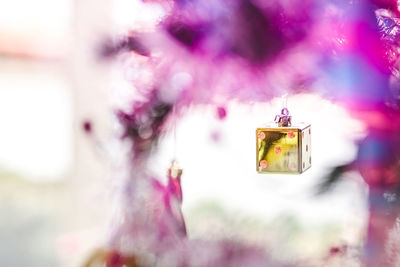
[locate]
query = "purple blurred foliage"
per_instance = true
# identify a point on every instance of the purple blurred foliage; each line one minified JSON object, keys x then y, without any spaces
{"x":187,"y":35}
{"x":127,"y":43}
{"x":142,"y":124}
{"x":221,"y":113}
{"x":245,"y":50}
{"x":246,"y":29}
{"x":87,"y":126}
{"x":150,"y":219}
{"x":388,"y":25}
{"x":172,"y":196}
{"x":390,"y":5}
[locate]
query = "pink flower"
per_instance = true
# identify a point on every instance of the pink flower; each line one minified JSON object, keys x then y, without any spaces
{"x":221,"y":113}
{"x":261,"y":135}
{"x":277,"y":149}
{"x":291,"y":134}
{"x":263,"y":164}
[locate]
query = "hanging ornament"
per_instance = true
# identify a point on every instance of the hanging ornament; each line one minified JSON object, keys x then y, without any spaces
{"x":283,"y":147}
{"x":174,"y":189}
{"x":174,"y":179}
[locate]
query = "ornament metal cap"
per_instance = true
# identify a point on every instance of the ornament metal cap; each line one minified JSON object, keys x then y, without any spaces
{"x":174,"y":170}
{"x":284,"y":120}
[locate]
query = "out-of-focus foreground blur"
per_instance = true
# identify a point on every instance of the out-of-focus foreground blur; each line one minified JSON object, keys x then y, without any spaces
{"x":54,"y":197}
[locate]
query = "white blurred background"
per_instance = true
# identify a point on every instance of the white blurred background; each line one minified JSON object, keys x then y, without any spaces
{"x":53,"y":198}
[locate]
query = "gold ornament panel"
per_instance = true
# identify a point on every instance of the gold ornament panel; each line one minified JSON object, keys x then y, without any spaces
{"x":283,"y":149}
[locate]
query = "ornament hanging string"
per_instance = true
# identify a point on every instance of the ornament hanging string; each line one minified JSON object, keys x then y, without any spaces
{"x":284,"y":100}
{"x":174,"y":131}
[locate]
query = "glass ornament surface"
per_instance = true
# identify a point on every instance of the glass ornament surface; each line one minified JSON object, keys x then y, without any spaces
{"x":283,"y":149}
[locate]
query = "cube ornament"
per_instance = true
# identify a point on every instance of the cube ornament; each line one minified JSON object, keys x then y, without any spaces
{"x":283,"y":149}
